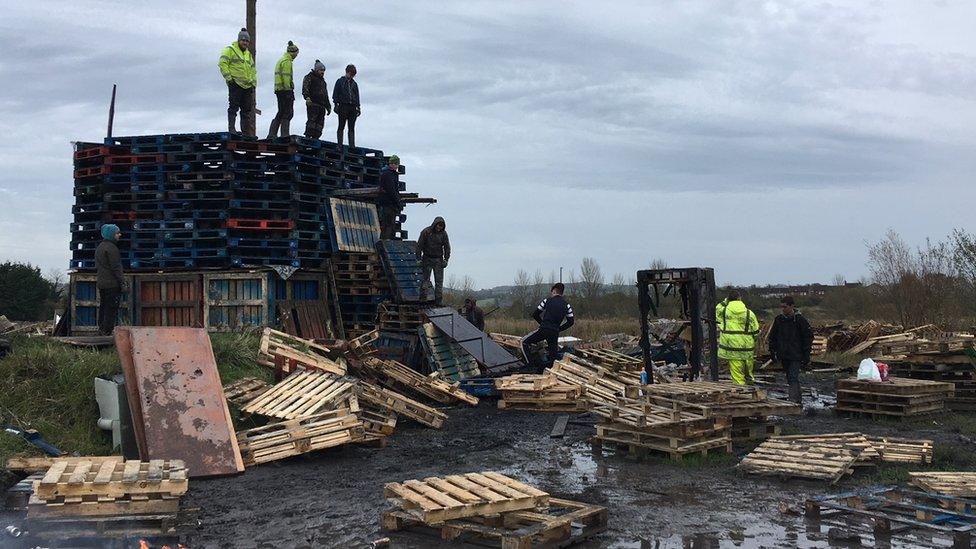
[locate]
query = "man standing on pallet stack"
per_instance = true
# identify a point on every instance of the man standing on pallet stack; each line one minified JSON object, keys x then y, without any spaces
{"x":316,"y":95}
{"x":389,"y":200}
{"x":790,"y":341}
{"x":434,"y":248}
{"x":345,"y":96}
{"x":108,"y":278}
{"x":554,"y":314}
{"x":284,"y":92}
{"x":738,"y":327}
{"x":237,"y":67}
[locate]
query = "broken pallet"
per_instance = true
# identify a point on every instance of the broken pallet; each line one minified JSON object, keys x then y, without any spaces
{"x":801,"y":459}
{"x":303,"y":351}
{"x":957,"y":484}
{"x":244,"y":390}
{"x":396,"y":375}
{"x":400,"y":404}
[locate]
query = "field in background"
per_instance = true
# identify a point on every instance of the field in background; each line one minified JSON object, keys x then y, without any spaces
{"x":587,"y":329}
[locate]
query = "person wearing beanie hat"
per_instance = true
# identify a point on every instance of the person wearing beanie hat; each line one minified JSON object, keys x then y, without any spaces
{"x":284,"y":92}
{"x":108,"y":278}
{"x":237,"y":67}
{"x":389,"y":201}
{"x":316,"y":94}
{"x":345,"y":95}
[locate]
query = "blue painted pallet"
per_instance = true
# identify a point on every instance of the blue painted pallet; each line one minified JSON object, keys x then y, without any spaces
{"x":402,"y":268}
{"x":354,"y":226}
{"x":241,"y":261}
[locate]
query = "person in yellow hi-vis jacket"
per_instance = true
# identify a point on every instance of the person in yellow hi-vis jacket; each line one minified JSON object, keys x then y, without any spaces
{"x":237,"y":67}
{"x":738,"y":327}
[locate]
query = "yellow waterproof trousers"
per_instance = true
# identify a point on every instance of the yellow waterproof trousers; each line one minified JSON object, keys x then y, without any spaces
{"x":741,"y":371}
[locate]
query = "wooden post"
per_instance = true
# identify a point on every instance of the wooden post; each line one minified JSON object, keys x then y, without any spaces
{"x":252,"y":30}
{"x":643,"y":302}
{"x":111,"y":111}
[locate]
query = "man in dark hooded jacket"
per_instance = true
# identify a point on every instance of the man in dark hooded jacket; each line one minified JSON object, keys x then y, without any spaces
{"x":434,"y":248}
{"x":316,"y":95}
{"x":790,"y":341}
{"x":389,"y":200}
{"x":108,"y":278}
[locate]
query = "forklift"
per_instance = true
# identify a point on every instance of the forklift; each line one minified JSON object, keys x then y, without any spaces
{"x":695,"y":288}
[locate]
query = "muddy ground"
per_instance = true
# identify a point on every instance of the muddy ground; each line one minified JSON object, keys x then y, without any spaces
{"x":334,"y":498}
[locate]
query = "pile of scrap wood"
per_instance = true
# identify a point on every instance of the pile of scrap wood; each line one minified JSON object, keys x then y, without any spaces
{"x":328,"y":400}
{"x":102,"y":496}
{"x":956,"y":483}
{"x":637,"y":425}
{"x":489,"y":507}
{"x":539,"y":393}
{"x":896,"y":397}
{"x":831,"y":456}
{"x":946,"y":357}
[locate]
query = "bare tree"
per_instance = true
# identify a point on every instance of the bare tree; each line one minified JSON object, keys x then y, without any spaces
{"x":921,"y":285}
{"x":618,"y":282}
{"x":658,"y":264}
{"x":58,"y":283}
{"x":467,"y":286}
{"x":591,"y":278}
{"x":521,"y":289}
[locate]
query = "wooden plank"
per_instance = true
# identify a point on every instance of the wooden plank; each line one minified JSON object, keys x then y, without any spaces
{"x":42,"y":464}
{"x":400,"y":404}
{"x":803,"y":459}
{"x":113,"y":480}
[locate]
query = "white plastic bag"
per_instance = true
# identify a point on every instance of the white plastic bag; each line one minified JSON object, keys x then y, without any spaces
{"x":868,"y":370}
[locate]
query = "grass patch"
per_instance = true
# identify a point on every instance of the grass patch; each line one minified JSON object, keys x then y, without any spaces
{"x":48,"y":386}
{"x":587,"y":329}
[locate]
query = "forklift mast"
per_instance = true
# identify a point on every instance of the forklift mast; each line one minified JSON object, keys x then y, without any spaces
{"x":696,"y":288}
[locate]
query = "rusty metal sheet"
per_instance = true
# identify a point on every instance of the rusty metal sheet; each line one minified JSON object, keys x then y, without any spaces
{"x":180,"y":399}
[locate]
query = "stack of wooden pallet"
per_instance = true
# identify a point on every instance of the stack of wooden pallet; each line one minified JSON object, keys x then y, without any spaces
{"x":403,"y":317}
{"x":896,"y":397}
{"x":832,"y":455}
{"x":108,"y":495}
{"x":640,"y":426}
{"x":489,"y":507}
{"x":941,"y":357}
{"x":539,"y":393}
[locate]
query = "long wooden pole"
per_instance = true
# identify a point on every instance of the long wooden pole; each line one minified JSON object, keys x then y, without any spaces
{"x":252,"y":6}
{"x":111,"y":111}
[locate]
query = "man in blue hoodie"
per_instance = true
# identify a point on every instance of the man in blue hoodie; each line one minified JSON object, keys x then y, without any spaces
{"x":109,"y":278}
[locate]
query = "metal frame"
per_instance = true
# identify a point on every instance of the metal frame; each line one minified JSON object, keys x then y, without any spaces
{"x":697,"y":286}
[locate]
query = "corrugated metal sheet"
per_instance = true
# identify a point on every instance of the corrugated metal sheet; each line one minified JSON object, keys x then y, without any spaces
{"x":176,"y":398}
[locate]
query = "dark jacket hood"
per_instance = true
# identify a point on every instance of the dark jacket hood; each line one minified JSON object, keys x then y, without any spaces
{"x":437,"y":220}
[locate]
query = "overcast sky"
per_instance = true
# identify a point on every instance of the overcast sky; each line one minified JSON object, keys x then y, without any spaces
{"x":768,"y":140}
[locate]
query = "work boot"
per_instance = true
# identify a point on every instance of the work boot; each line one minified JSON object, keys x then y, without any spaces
{"x":231,"y":122}
{"x":796,"y":394}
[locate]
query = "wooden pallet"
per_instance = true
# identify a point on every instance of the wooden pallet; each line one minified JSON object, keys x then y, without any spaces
{"x":599,"y":385}
{"x":304,"y":351}
{"x":898,"y":397}
{"x":397,"y":376}
{"x":399,"y":318}
{"x":611,"y":359}
{"x":445,"y":356}
{"x":362,"y":346}
{"x":638,"y":447}
{"x":901,"y":450}
{"x":801,"y":459}
{"x":79,"y":481}
{"x":308,"y":319}
{"x":302,"y":393}
{"x":299,"y":436}
{"x":378,"y":423}
{"x":564,"y":523}
{"x":435,"y":500}
{"x":42,"y":464}
{"x":868,"y":454}
{"x":754,"y":430}
{"x":539,"y":393}
{"x":400,"y":404}
{"x":958,"y":484}
{"x":243,"y":390}
{"x":641,"y":414}
{"x":510,"y":343}
{"x":533,"y":405}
